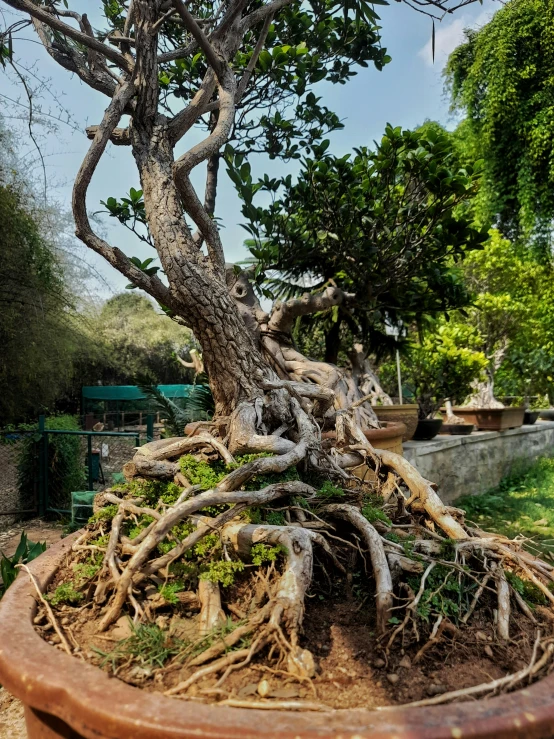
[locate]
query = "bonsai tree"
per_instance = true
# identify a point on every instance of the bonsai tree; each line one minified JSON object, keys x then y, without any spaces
{"x":195,"y":509}
{"x":442,"y":367}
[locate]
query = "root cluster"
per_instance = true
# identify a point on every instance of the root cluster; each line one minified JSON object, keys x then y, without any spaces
{"x":209,"y":551}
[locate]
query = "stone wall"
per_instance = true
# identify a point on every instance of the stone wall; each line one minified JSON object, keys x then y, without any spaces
{"x":469,"y":465}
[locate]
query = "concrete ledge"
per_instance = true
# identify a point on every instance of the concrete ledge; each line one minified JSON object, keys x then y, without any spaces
{"x":469,"y":465}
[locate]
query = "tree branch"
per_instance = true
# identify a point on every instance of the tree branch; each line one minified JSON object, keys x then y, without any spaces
{"x":184,"y":120}
{"x":83,"y":229}
{"x":285,"y":313}
{"x":202,"y":151}
{"x":38,"y":12}
{"x":198,"y":34}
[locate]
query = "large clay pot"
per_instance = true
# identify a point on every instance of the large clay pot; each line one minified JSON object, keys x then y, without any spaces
{"x":406,"y":413}
{"x":492,"y":419}
{"x":66,"y":697}
{"x":547,"y":414}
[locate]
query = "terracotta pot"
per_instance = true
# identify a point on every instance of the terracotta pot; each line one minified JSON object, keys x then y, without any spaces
{"x":427,"y":429}
{"x":457,"y":429}
{"x":530,"y":417}
{"x":65,"y":697}
{"x":407,"y":413}
{"x":492,"y":419}
{"x":389,"y":437}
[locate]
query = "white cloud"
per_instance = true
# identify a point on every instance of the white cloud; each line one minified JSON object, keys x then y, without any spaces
{"x":447,"y":37}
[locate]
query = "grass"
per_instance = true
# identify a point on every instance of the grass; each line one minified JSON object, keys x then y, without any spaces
{"x":521,"y":505}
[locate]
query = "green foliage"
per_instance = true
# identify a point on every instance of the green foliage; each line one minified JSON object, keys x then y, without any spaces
{"x":65,"y":593}
{"x":501,"y":79}
{"x":442,"y":594}
{"x":221,"y":571}
{"x":521,"y":505}
{"x":148,"y":645}
{"x":169,"y":591}
{"x":84,"y":572}
{"x":199,"y":472}
{"x":372,"y":512}
{"x":104,"y":514}
{"x":440,"y":365}
{"x":528,"y":590}
{"x":262,"y":553}
{"x":387,"y":225}
{"x":199,"y":406}
{"x":328,"y":490}
{"x":26,"y":551}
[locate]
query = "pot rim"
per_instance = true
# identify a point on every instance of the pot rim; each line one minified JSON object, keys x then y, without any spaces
{"x":96,"y":705}
{"x":495,"y":411}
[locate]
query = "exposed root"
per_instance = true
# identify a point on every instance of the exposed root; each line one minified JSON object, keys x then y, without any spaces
{"x":179,"y":540}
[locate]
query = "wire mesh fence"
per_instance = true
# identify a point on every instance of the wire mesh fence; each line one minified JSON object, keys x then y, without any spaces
{"x":40,"y":469}
{"x":17,"y":500}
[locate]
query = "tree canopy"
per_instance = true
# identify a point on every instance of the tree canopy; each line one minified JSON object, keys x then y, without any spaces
{"x":501,"y":79}
{"x":388,"y":226}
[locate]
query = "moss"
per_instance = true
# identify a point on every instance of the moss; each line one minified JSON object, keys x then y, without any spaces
{"x":65,"y":593}
{"x":85,"y":571}
{"x":101,"y":541}
{"x":206,"y":545}
{"x":104,"y":514}
{"x":222,"y":571}
{"x":199,"y":472}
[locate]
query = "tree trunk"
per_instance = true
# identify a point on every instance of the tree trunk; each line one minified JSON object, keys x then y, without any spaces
{"x":231,"y":358}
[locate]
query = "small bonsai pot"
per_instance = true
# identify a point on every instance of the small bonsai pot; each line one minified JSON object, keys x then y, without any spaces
{"x":406,"y":413}
{"x":492,"y":419}
{"x":65,"y":697}
{"x":457,"y":429}
{"x":427,"y":429}
{"x":547,"y":414}
{"x":530,"y":417}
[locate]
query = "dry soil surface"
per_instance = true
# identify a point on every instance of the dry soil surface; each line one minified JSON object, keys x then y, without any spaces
{"x":12,"y":721}
{"x":36,"y":529}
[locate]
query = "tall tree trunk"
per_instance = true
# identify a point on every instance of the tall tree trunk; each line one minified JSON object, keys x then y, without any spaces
{"x":232,"y":359}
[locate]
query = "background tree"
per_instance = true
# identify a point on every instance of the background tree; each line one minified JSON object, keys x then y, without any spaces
{"x":501,"y":80}
{"x":387,"y":226}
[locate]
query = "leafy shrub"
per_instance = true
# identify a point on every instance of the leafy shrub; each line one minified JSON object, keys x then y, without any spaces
{"x":26,"y":551}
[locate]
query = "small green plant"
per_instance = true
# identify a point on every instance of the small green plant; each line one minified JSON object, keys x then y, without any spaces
{"x":26,"y":551}
{"x":169,"y":591}
{"x":262,"y":553}
{"x":148,"y":645}
{"x":222,"y":571}
{"x":65,"y":593}
{"x":328,"y":490}
{"x":372,"y":513}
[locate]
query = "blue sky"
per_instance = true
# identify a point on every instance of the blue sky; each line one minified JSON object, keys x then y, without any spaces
{"x":408,"y":91}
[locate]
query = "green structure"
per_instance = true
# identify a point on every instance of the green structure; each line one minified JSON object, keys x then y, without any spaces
{"x":118,"y":405}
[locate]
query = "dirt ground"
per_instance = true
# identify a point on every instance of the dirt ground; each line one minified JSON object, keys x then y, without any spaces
{"x":12,"y":721}
{"x":37,"y":530}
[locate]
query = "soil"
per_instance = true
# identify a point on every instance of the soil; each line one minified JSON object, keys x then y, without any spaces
{"x":352,"y":668}
{"x":36,"y":529}
{"x":12,"y":719}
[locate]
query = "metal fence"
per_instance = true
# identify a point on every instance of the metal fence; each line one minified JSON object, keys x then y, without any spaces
{"x":40,"y":469}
